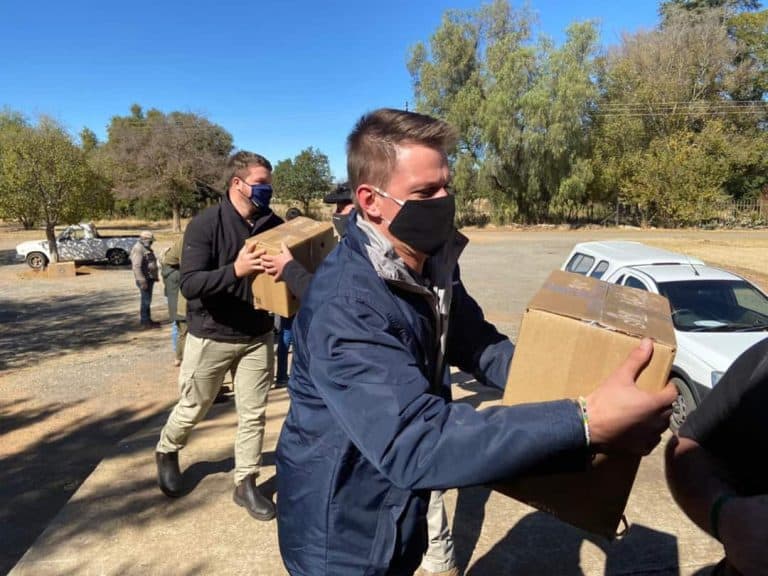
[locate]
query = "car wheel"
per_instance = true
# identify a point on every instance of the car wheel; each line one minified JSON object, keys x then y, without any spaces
{"x":683,"y":406}
{"x":37,"y":260}
{"x":117,"y":257}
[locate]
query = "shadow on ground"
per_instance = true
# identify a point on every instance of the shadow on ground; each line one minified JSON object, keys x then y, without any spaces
{"x":540,"y":544}
{"x":8,"y":257}
{"x":38,"y":479}
{"x":66,"y":323}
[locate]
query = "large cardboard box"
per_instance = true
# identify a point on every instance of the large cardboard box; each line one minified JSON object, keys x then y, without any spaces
{"x":576,"y":332}
{"x":309,"y":241}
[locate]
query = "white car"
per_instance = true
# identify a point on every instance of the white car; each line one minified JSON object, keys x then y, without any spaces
{"x":717,"y":315}
{"x":78,"y":243}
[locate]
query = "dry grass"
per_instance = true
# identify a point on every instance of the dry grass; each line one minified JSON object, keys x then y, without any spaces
{"x":749,"y":253}
{"x":747,"y":256}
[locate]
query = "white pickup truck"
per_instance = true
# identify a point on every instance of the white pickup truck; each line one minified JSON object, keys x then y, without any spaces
{"x":79,"y":242}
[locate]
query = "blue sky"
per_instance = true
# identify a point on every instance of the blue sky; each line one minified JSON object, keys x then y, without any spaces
{"x":278,"y":75}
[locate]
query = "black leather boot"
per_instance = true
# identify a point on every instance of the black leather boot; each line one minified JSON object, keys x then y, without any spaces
{"x":247,"y":495}
{"x":168,"y":473}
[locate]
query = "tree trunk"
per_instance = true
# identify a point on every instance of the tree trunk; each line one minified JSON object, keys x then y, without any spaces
{"x":176,"y":218}
{"x":50,"y":235}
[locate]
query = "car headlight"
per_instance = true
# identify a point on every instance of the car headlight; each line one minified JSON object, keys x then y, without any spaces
{"x":715,"y":378}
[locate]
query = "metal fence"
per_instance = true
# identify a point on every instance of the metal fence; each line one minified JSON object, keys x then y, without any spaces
{"x":741,"y":212}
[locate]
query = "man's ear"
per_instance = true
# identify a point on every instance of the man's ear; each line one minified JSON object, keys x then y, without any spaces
{"x":367,"y":200}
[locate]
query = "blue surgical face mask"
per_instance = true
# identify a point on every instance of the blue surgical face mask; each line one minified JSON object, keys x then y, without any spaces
{"x":261,"y":194}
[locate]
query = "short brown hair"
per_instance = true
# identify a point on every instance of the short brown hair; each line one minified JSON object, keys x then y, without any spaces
{"x":371,"y":146}
{"x":238,"y":164}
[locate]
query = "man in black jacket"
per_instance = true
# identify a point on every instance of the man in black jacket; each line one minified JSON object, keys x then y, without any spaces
{"x":225,"y":331}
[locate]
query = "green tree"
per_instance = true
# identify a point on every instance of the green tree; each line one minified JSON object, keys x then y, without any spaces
{"x":522,"y":108}
{"x":305,"y":178}
{"x":168,"y":158}
{"x":680,"y":178}
{"x":48,"y":177}
{"x":669,"y":7}
{"x":746,"y":25}
{"x":14,"y":200}
{"x":662,"y":88}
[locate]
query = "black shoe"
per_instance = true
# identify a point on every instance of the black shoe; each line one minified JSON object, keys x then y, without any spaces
{"x":168,"y":473}
{"x":247,"y":495}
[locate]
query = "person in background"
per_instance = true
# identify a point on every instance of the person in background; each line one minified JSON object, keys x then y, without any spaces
{"x":284,"y":335}
{"x":713,"y":468}
{"x":226,"y":332}
{"x":177,"y":304}
{"x":145,"y":273}
{"x":341,"y":197}
{"x":370,"y":432}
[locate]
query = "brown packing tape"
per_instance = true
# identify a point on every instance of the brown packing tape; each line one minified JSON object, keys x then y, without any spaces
{"x":634,"y":312}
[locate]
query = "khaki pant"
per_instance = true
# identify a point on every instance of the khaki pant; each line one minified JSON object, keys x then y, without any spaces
{"x":439,"y":556}
{"x":202,"y":372}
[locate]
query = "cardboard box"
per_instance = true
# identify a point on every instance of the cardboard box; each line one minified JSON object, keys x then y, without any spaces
{"x":309,"y":241}
{"x":576,"y":332}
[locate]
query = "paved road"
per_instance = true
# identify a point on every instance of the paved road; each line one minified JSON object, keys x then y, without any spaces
{"x":65,"y":401}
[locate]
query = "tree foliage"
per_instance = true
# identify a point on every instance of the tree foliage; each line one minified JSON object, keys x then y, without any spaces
{"x":669,"y":120}
{"x":521,"y":107}
{"x":305,"y":178}
{"x":14,"y":202}
{"x":45,"y":177}
{"x":667,"y":92}
{"x":172,"y":159}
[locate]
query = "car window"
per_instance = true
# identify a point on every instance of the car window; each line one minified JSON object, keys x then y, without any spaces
{"x":633,"y":282}
{"x":580,"y":263}
{"x":620,"y":280}
{"x":600,"y":269}
{"x":716,"y":305}
{"x":747,"y":297}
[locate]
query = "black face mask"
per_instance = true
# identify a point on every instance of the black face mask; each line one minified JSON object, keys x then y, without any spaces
{"x":340,"y":223}
{"x":425,"y":225}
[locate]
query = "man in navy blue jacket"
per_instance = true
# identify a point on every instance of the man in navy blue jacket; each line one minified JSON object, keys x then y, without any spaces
{"x":369,"y":432}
